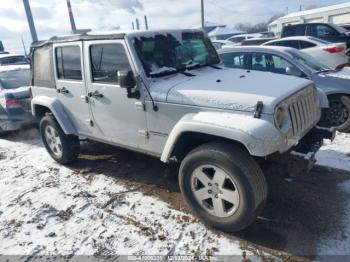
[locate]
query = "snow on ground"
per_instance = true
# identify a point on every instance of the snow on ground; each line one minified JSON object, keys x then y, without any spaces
{"x":336,"y":154}
{"x":48,"y":209}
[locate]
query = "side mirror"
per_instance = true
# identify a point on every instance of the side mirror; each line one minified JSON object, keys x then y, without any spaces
{"x":126,"y":79}
{"x":293,"y":71}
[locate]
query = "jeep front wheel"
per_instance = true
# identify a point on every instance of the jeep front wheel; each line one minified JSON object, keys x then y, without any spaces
{"x":61,"y":147}
{"x":223,"y":185}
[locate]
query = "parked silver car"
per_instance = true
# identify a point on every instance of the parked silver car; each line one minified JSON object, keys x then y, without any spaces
{"x":289,"y":61}
{"x":163,"y":93}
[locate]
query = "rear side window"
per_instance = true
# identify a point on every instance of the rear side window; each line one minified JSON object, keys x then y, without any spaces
{"x":305,"y":44}
{"x":233,"y":60}
{"x":68,"y":63}
{"x":289,"y":43}
{"x":293,"y":30}
{"x":106,"y":61}
{"x":42,"y":65}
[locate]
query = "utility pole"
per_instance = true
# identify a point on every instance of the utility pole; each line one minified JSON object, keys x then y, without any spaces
{"x":137,"y":24}
{"x":71,"y":17}
{"x":146,"y":23}
{"x":30,"y":20}
{"x":202,"y":13}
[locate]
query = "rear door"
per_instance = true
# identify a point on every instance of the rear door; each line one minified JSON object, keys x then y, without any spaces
{"x":116,"y":117}
{"x":70,"y":84}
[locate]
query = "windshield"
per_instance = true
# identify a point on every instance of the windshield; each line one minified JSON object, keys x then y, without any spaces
{"x":308,"y":61}
{"x":15,"y":78}
{"x":164,"y":54}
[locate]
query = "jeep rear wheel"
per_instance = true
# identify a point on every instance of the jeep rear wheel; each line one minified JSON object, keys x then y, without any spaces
{"x":223,"y":185}
{"x":61,"y":147}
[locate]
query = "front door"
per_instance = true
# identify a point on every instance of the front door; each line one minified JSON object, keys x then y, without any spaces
{"x":116,"y":117}
{"x":70,"y":84}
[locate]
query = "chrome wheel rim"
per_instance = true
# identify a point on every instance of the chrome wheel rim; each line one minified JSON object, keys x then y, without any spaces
{"x":215,"y":191}
{"x":53,"y":141}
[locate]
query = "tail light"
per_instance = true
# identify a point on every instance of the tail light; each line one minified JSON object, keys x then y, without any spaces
{"x":334,"y":49}
{"x":9,"y":103}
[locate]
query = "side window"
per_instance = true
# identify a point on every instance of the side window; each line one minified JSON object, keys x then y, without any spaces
{"x":280,"y":65}
{"x":233,"y":60}
{"x":289,"y":43}
{"x":295,"y":30}
{"x":68,"y":62}
{"x":305,"y":44}
{"x":323,"y":31}
{"x":14,"y":60}
{"x":260,"y":61}
{"x":106,"y":61}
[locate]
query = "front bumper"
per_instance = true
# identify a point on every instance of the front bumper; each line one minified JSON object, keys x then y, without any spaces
{"x":301,"y":158}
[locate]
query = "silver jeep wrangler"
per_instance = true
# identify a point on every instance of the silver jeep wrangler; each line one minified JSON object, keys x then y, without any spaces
{"x":166,"y":94}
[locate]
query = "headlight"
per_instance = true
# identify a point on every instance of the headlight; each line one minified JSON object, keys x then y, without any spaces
{"x":282,"y":119}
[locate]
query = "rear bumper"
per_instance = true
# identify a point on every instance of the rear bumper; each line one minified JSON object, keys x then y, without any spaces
{"x":16,"y":123}
{"x":301,"y":158}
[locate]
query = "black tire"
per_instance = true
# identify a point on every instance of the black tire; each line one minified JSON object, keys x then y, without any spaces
{"x":241,"y":168}
{"x":338,"y":114}
{"x":70,"y":145}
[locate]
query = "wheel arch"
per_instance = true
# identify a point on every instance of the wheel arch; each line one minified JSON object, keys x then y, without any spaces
{"x":42,"y":105}
{"x":259,"y":137}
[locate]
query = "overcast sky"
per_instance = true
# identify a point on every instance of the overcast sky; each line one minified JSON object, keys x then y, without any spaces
{"x":51,"y":16}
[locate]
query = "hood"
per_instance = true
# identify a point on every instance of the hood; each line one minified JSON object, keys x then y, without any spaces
{"x":232,"y":89}
{"x":17,"y":93}
{"x":335,"y":81}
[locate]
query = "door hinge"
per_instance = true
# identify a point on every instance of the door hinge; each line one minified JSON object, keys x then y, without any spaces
{"x":90,"y":122}
{"x":144,"y":133}
{"x":140,"y":106}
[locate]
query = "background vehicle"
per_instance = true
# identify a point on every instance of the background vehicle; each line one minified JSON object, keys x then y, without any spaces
{"x":326,"y":31}
{"x":15,"y":110}
{"x":289,"y":61}
{"x":256,"y":41}
{"x":237,"y":39}
{"x":330,"y":54}
{"x":13,"y":59}
{"x":218,"y":44}
{"x":164,"y":93}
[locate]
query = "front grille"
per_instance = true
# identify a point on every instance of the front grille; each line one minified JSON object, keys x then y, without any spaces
{"x":303,"y":112}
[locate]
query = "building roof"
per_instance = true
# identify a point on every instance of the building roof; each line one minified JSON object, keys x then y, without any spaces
{"x":315,"y":11}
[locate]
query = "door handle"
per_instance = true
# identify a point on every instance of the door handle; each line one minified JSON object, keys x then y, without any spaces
{"x":95,"y":94}
{"x":63,"y":90}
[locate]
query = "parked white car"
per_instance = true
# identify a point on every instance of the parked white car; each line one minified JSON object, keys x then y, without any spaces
{"x":218,"y":44}
{"x":330,"y":54}
{"x":238,"y":39}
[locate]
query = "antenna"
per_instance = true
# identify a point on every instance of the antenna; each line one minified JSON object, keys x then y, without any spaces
{"x":24,"y":46}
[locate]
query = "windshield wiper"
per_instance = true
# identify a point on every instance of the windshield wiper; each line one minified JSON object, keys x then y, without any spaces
{"x":193,"y":65}
{"x":163,"y":72}
{"x":325,"y":71}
